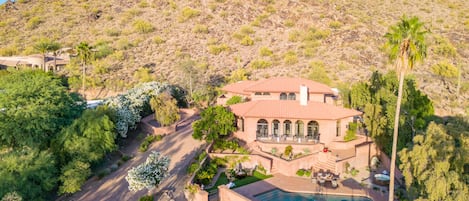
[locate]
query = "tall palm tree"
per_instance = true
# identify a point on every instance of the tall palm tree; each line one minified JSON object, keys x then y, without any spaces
{"x":84,"y":52}
{"x":406,"y":45}
{"x":54,"y":47}
{"x":43,"y":46}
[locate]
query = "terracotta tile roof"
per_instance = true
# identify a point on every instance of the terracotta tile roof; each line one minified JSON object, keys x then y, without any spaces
{"x":286,"y":84}
{"x":291,"y":109}
{"x":277,"y":84}
{"x":239,"y":87}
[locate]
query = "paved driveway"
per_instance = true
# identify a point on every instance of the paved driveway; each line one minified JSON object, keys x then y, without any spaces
{"x":179,"y":146}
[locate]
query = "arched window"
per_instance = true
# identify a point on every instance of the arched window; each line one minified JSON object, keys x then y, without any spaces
{"x":283,"y":96}
{"x":287,"y":127}
{"x":313,"y":130}
{"x":275,"y":127}
{"x":299,"y":129}
{"x":262,"y":128}
{"x":291,"y":96}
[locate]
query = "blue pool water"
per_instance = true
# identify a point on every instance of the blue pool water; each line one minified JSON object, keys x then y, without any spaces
{"x":279,"y":195}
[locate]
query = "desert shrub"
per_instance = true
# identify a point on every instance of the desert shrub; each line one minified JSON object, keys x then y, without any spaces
{"x":146,"y":198}
{"x":147,"y":141}
{"x":314,"y":34}
{"x":143,"y":4}
{"x":126,"y":158}
{"x":33,"y":22}
{"x":335,"y":24}
{"x":158,"y":40}
{"x":246,"y":30}
{"x":200,"y":28}
{"x":206,"y":174}
{"x":289,"y":23}
{"x":445,"y":69}
{"x":123,"y":44}
{"x":307,"y":173}
{"x":318,"y":72}
{"x":217,"y":49}
{"x":300,"y":172}
{"x":234,"y":100}
{"x":290,"y":58}
{"x":238,"y":36}
{"x":265,"y":51}
{"x":247,"y":41}
{"x":288,"y":150}
{"x":220,"y":162}
{"x":444,"y":47}
{"x":261,"y":64}
{"x":354,"y":172}
{"x":294,"y":36}
{"x":103,"y":173}
{"x":188,"y":13}
{"x":113,"y":32}
{"x":102,"y":50}
{"x":143,"y":26}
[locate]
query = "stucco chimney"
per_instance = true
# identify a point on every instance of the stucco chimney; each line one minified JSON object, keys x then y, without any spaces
{"x":304,"y":93}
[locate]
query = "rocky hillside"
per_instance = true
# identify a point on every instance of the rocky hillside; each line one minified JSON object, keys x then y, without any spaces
{"x":140,"y":40}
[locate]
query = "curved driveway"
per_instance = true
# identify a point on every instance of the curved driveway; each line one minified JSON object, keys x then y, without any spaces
{"x":179,"y":146}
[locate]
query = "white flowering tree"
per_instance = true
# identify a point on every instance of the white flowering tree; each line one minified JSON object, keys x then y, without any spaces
{"x":128,"y":106}
{"x":149,"y":174}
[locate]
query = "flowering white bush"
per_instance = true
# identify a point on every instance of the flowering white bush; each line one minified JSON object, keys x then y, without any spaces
{"x":129,"y":105}
{"x":150,"y":173}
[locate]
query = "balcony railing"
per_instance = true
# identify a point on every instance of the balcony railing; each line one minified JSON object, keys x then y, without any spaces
{"x":290,"y":139}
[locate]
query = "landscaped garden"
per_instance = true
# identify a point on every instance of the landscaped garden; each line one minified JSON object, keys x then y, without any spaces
{"x":223,"y":180}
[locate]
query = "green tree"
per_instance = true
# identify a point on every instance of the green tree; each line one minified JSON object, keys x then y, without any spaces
{"x":234,"y":100}
{"x":406,"y":44}
{"x":165,"y":108}
{"x":35,"y":106}
{"x":74,"y":174}
{"x":215,"y":121}
{"x":30,"y":172}
{"x":88,"y":138}
{"x":85,"y":54}
{"x":43,"y":46}
{"x":430,"y":167}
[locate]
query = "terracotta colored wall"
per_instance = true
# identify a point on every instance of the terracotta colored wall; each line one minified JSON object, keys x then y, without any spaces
{"x":267,"y":147}
{"x":327,"y":129}
{"x":147,"y":127}
{"x":225,"y":194}
{"x":316,"y":97}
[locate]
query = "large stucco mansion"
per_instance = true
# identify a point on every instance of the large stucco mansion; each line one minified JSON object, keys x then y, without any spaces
{"x":278,"y":112}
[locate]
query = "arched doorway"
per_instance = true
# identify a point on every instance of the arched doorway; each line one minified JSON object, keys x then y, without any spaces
{"x":291,"y":96}
{"x":262,"y":128}
{"x":313,"y":130}
{"x":275,"y":127}
{"x":287,"y":127}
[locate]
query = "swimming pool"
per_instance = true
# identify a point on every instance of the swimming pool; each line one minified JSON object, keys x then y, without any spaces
{"x":280,"y":195}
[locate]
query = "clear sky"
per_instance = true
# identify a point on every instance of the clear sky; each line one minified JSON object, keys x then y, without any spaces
{"x":2,"y":1}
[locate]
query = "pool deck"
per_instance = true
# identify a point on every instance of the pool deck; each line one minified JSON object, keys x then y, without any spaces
{"x":304,"y":185}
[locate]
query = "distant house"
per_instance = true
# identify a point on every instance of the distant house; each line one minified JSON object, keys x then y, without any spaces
{"x":283,"y":111}
{"x":36,"y":61}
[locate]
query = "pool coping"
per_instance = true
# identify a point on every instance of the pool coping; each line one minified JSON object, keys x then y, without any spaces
{"x":304,"y":185}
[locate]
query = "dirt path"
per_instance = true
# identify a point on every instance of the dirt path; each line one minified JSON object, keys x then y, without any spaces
{"x":179,"y":146}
